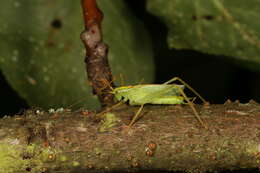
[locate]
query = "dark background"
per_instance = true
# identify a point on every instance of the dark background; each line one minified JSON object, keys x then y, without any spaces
{"x":216,"y":78}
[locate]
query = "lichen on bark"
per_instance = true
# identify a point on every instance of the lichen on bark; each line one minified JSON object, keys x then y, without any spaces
{"x":164,"y":138}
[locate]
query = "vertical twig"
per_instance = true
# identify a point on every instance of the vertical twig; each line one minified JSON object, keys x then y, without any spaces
{"x":99,"y":73}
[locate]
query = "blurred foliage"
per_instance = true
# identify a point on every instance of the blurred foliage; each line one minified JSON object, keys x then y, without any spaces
{"x":220,"y":27}
{"x":42,"y":56}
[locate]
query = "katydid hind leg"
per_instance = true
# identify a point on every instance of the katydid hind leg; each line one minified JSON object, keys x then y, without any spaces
{"x":136,"y":115}
{"x":193,"y":108}
{"x":188,"y":86}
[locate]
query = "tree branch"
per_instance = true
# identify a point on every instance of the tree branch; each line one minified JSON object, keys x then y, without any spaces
{"x":98,"y":70}
{"x":165,"y":138}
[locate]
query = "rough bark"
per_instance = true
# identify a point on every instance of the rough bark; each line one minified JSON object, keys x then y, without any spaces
{"x":97,"y":66}
{"x":165,"y":138}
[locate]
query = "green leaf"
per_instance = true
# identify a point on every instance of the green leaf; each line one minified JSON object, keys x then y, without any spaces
{"x":221,"y":27}
{"x":42,"y":56}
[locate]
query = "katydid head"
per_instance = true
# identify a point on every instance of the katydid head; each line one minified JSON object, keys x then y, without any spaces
{"x":120,"y":93}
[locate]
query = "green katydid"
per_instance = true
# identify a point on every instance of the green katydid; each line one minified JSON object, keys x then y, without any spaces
{"x":165,"y":93}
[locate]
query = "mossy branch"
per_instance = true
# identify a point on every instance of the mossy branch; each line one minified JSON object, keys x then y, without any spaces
{"x":165,"y":138}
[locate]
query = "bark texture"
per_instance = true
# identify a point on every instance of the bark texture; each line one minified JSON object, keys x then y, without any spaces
{"x":165,"y":138}
{"x":97,"y":66}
